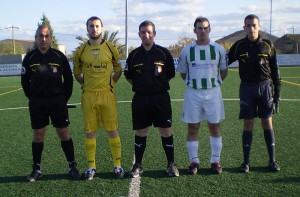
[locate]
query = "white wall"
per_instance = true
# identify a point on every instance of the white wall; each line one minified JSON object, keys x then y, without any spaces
{"x":282,"y":60}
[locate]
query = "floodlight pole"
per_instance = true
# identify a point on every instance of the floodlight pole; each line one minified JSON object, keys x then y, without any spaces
{"x":271,"y":19}
{"x":126,"y":30}
{"x":13,"y":37}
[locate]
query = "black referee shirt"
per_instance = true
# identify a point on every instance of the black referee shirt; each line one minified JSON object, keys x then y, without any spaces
{"x":46,"y":75}
{"x":257,"y":60}
{"x":150,"y":71}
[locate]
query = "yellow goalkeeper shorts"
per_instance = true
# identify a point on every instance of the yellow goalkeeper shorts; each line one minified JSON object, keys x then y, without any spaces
{"x":99,"y":109}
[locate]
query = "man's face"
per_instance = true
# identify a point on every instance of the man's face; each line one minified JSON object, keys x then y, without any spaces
{"x":202,"y":30}
{"x":252,"y":28}
{"x":43,"y":39}
{"x":94,"y":29}
{"x":147,"y":35}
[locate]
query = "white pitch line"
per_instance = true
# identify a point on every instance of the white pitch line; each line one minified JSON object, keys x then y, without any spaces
{"x":6,"y":109}
{"x":15,"y":108}
{"x":134,"y":188}
{"x":173,"y":100}
{"x":10,"y":91}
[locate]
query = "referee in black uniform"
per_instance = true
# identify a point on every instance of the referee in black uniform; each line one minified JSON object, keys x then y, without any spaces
{"x":259,"y":89}
{"x":149,"y":69}
{"x":47,"y":82}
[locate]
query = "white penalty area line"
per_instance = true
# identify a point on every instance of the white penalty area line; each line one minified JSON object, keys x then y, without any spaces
{"x":173,"y":100}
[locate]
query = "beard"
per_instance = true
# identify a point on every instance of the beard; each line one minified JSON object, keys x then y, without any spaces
{"x":92,"y":37}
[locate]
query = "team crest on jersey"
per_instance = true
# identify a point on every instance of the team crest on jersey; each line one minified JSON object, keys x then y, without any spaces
{"x":95,"y":52}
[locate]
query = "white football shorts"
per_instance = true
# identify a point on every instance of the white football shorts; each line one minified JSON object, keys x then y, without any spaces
{"x":203,"y":104}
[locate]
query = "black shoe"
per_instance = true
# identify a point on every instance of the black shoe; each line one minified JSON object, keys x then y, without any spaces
{"x":136,"y":170}
{"x":216,"y":168}
{"x":245,"y":167}
{"x":35,"y":174}
{"x":274,"y":167}
{"x":193,"y":168}
{"x":172,"y":170}
{"x":73,"y":172}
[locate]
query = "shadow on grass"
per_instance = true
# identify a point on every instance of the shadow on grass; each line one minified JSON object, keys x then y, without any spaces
{"x":257,"y":169}
{"x":45,"y":177}
{"x":99,"y":175}
{"x":291,"y":180}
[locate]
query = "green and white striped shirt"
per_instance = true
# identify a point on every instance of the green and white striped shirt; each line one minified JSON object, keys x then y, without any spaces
{"x":202,"y":64}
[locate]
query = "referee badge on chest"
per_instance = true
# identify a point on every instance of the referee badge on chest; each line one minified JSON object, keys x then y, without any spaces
{"x":54,"y":69}
{"x":159,"y":67}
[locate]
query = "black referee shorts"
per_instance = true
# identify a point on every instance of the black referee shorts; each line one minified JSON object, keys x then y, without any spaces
{"x":256,"y":99}
{"x":151,"y":109}
{"x":41,"y":109}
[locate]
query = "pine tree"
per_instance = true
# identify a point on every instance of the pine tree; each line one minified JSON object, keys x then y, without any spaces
{"x":45,"y":21}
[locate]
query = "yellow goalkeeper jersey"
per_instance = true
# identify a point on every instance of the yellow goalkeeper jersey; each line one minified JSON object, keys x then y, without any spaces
{"x":96,"y":63}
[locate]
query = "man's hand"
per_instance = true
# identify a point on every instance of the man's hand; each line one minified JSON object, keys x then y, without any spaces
{"x":276,"y":99}
{"x":276,"y":108}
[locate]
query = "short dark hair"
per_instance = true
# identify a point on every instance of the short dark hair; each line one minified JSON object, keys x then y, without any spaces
{"x":251,"y":16}
{"x":147,"y":23}
{"x":41,"y":26}
{"x":92,"y":18}
{"x":201,"y":19}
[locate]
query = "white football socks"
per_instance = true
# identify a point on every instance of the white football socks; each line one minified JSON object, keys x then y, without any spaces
{"x":216,"y":148}
{"x":192,"y":148}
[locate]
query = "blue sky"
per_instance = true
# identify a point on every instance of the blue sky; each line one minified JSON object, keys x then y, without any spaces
{"x":173,"y":18}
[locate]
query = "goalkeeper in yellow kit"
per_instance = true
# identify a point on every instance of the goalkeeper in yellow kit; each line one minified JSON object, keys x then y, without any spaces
{"x":94,"y":62}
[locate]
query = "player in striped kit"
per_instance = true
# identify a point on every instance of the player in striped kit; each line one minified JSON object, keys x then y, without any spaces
{"x":202,"y":65}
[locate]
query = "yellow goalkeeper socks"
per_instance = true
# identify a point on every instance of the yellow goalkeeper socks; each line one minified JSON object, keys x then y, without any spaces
{"x":115,"y":148}
{"x":90,"y":150}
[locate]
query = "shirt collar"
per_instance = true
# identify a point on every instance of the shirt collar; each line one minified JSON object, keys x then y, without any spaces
{"x":256,"y":41}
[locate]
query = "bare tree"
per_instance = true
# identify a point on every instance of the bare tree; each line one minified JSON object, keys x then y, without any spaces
{"x":182,"y":42}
